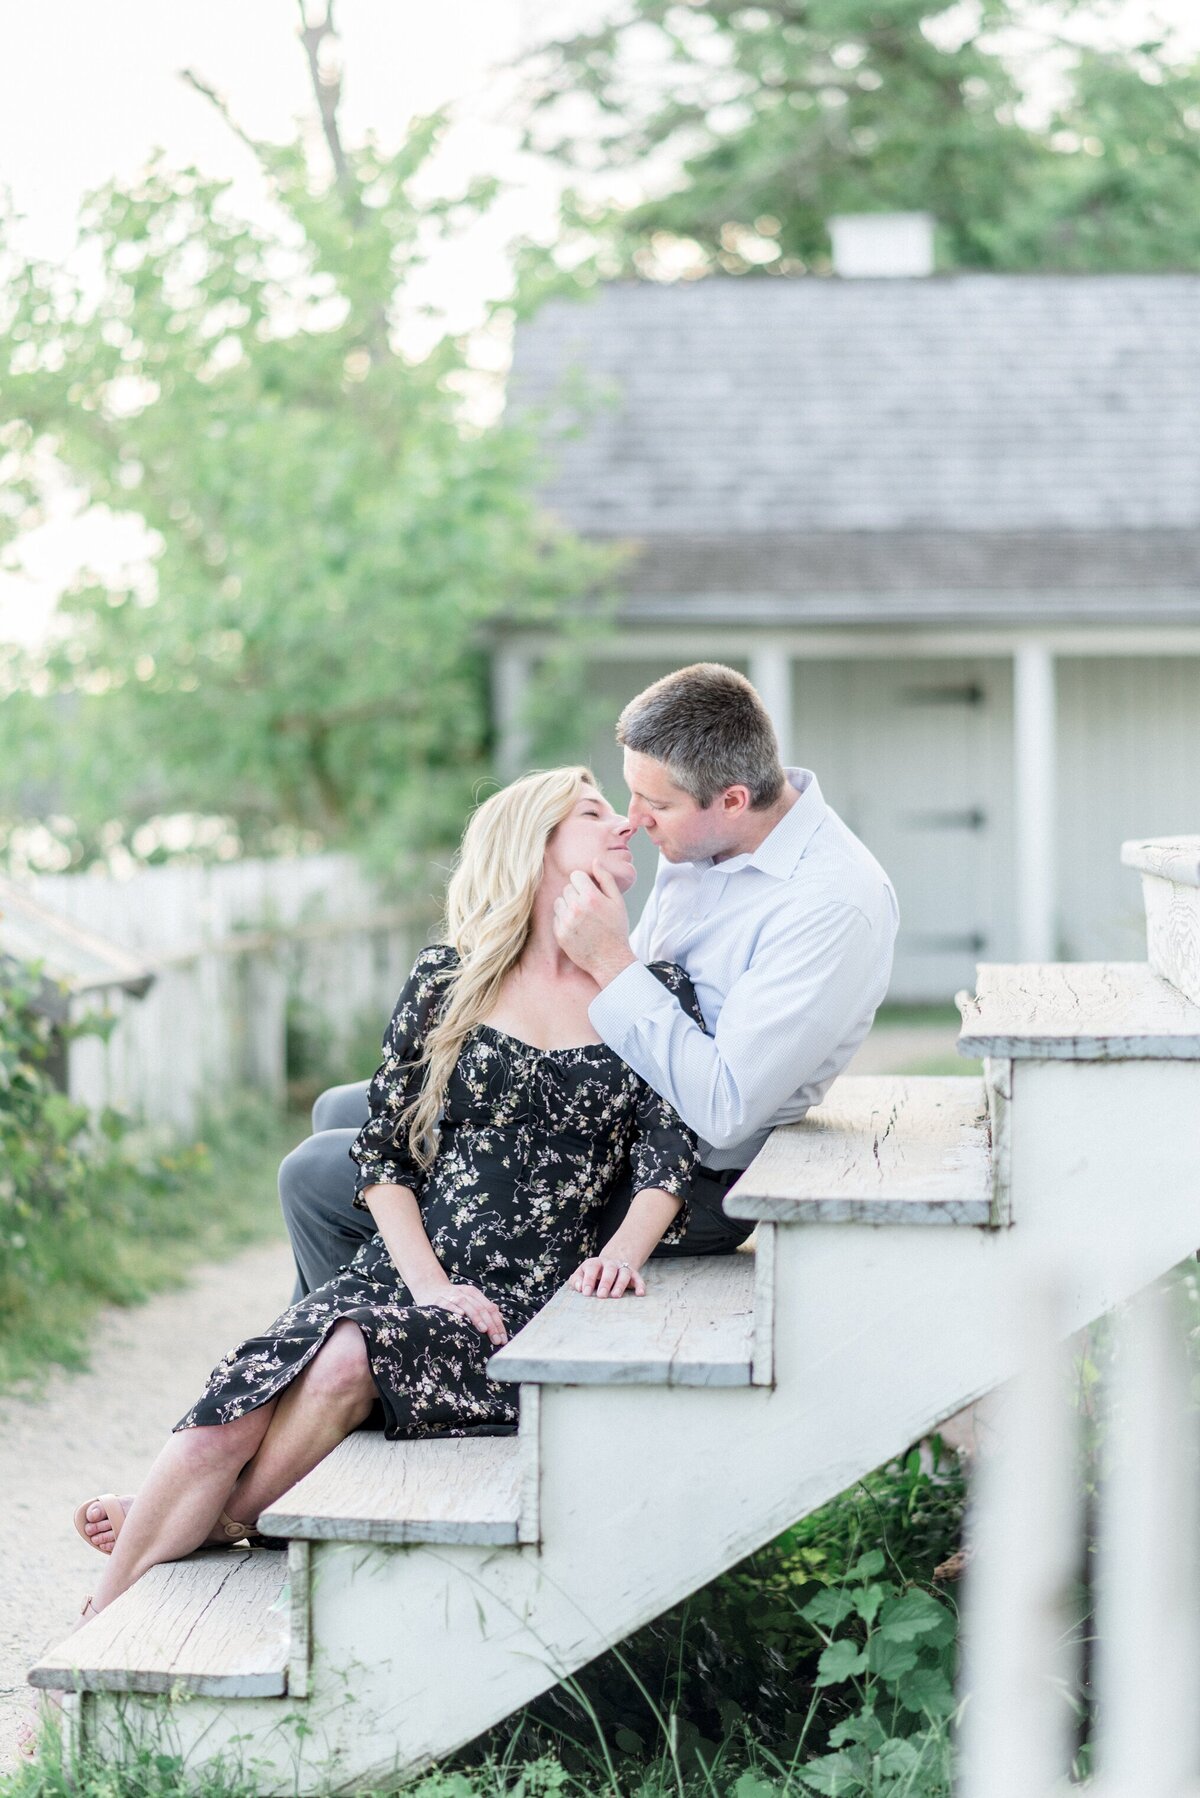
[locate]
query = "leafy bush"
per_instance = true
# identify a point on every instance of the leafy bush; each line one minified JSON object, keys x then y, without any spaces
{"x":98,"y":1212}
{"x":56,"y":1168}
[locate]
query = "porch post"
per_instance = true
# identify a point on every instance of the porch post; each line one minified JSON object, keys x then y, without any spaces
{"x":771,"y":676}
{"x":512,"y":669}
{"x":1035,"y":768}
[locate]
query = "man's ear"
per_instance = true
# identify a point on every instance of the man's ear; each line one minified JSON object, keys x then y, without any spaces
{"x":735,"y":801}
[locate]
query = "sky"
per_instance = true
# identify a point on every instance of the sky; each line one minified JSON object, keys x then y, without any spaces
{"x":88,"y":91}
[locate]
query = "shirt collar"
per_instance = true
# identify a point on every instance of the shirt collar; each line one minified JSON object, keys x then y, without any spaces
{"x":780,"y":851}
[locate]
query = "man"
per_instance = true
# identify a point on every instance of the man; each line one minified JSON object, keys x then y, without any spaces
{"x":784,"y":921}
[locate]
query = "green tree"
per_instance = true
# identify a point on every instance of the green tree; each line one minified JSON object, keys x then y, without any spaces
{"x":332,"y":535}
{"x":753,"y":124}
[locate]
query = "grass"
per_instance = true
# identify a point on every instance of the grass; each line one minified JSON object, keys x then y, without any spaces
{"x":149,"y":1774}
{"x":942,"y":1064}
{"x":158,"y":1211}
{"x":908,"y":1017}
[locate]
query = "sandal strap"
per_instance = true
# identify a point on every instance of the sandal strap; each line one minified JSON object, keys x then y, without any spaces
{"x":232,"y":1530}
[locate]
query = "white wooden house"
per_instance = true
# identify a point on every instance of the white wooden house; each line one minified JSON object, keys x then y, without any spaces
{"x":950,"y":527}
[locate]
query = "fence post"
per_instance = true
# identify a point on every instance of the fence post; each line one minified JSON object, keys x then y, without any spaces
{"x":1148,"y":1589}
{"x":1019,"y":1669}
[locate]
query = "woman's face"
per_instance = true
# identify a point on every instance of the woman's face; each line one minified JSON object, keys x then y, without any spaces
{"x":591,"y":832}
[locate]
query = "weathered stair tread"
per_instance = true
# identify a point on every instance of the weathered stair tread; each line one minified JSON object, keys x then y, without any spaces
{"x":215,"y":1625}
{"x":373,"y":1490}
{"x":1078,"y":1011}
{"x":693,"y":1327}
{"x":879,"y":1149}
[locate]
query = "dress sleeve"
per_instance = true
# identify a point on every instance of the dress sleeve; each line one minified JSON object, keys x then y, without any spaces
{"x":663,"y":1152}
{"x":381,"y":1152}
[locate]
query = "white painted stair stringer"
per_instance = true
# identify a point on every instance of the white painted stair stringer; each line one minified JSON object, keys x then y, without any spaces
{"x":648,"y":1492}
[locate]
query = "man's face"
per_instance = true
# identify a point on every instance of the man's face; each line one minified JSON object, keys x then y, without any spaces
{"x":680,"y":829}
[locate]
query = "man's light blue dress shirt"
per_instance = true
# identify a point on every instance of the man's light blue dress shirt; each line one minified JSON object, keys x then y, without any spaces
{"x":790,"y":951}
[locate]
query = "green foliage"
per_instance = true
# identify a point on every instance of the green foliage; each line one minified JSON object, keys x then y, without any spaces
{"x":314,"y":1059}
{"x":894,"y":1649}
{"x":95,"y":1214}
{"x":763,"y":121}
{"x":143,"y":1773}
{"x":334,"y":537}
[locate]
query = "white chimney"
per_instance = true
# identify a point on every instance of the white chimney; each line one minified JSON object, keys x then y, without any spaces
{"x":881,"y":244}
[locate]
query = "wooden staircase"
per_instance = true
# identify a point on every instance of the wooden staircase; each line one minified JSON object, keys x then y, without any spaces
{"x":429,"y":1589}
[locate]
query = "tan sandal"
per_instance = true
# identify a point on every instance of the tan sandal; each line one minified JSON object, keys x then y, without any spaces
{"x":231,"y":1532}
{"x":114,"y":1510}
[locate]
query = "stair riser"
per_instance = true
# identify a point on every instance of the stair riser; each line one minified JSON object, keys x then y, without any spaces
{"x":1173,"y":932}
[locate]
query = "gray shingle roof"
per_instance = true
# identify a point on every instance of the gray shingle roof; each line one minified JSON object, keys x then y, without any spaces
{"x":917,"y":576}
{"x":957,"y":436}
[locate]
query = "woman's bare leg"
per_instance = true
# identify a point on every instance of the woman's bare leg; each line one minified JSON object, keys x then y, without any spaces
{"x":243,"y":1466}
{"x":318,"y":1410}
{"x":181,"y":1498}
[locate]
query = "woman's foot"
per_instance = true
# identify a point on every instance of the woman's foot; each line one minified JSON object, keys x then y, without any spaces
{"x":102,"y":1521}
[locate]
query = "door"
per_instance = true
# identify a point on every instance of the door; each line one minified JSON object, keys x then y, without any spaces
{"x":912,"y":754}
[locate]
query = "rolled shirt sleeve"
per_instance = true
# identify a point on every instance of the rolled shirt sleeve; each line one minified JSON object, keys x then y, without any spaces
{"x":780,"y":1020}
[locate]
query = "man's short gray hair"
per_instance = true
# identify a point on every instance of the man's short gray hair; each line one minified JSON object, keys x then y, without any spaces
{"x":711,"y":731}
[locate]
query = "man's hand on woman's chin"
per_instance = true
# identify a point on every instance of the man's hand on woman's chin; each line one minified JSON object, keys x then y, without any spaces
{"x":591,"y":926}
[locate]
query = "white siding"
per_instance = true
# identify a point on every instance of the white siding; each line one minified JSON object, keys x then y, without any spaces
{"x":907,"y":755}
{"x":1129,"y":766}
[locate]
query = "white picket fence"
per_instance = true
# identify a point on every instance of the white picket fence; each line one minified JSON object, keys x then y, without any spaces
{"x":233,"y":946}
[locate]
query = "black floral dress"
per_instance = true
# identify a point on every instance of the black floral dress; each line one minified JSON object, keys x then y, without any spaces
{"x":532,"y":1142}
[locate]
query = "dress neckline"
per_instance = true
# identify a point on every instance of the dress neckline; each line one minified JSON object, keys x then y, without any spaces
{"x":535,"y":1048}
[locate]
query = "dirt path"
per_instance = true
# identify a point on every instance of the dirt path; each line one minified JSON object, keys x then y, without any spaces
{"x":96,"y":1432}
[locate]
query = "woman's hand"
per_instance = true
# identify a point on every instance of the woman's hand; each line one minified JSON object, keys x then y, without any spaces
{"x":606,"y":1277}
{"x":475,"y":1306}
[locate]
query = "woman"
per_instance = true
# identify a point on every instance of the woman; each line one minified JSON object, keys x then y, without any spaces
{"x":499,"y":1125}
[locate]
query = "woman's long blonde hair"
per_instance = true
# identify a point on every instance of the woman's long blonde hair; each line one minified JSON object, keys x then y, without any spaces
{"x":489,"y":909}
